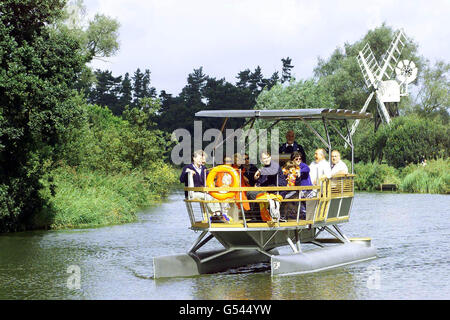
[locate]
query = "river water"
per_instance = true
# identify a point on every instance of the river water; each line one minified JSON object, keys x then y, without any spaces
{"x":410,"y":231}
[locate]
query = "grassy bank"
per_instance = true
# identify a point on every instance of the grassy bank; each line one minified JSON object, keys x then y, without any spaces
{"x":80,"y":197}
{"x":415,"y":178}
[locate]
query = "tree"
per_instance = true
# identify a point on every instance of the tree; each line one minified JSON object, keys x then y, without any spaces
{"x":39,"y":65}
{"x":243,"y":77}
{"x":286,"y":71}
{"x":102,"y":34}
{"x":126,"y":91}
{"x":433,"y":98}
{"x":106,"y":91}
{"x":97,"y":38}
{"x":406,"y":140}
{"x":141,"y":86}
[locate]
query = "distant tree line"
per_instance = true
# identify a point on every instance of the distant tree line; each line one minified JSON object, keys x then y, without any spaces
{"x":202,"y":92}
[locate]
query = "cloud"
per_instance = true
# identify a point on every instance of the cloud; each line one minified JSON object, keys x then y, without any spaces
{"x":171,"y":38}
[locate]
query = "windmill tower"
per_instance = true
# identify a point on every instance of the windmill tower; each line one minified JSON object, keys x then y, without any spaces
{"x":379,"y":78}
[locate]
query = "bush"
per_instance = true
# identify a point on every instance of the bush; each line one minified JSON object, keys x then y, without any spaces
{"x":432,"y":178}
{"x":79,"y":197}
{"x":411,"y":139}
{"x":371,"y":175}
{"x":406,"y":140}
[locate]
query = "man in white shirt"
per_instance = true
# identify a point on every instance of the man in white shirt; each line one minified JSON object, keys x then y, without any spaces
{"x":320,"y":167}
{"x":337,"y":165}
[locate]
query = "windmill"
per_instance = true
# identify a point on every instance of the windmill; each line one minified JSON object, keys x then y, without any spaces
{"x":387,"y":90}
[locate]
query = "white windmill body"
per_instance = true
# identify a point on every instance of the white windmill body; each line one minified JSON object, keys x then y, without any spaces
{"x":385,"y":90}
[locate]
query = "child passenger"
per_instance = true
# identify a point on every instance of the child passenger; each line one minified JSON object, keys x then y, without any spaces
{"x":292,"y":172}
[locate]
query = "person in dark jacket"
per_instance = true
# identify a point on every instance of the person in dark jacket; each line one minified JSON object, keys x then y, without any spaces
{"x":303,"y":180}
{"x":248,"y":171}
{"x":292,"y":146}
{"x":270,"y":174}
{"x":199,"y":177}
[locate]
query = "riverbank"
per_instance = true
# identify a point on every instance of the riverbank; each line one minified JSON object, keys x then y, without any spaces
{"x":80,"y":198}
{"x":434,"y":177}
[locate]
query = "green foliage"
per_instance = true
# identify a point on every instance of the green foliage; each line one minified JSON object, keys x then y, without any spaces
{"x":411,"y":139}
{"x":38,"y":66}
{"x":102,"y":34}
{"x":433,"y":98}
{"x":86,"y":198}
{"x":110,"y":144}
{"x":432,"y":178}
{"x":98,"y":36}
{"x":370,"y":176}
{"x":406,"y":140}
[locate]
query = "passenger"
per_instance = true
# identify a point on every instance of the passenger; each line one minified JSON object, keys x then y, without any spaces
{"x":203,"y":158}
{"x":248,"y":171}
{"x":320,"y":167}
{"x":303,"y":180}
{"x":337,"y":165}
{"x":291,"y":145}
{"x":199,"y":174}
{"x":268,"y":175}
{"x":237,"y":165}
{"x":292,"y":172}
{"x":224,"y":178}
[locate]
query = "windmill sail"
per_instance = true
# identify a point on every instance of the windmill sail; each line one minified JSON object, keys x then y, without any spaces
{"x":392,"y":55}
{"x":369,"y":66}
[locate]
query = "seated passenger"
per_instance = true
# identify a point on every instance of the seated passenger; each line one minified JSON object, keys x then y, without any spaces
{"x":303,"y":180}
{"x":292,"y":172}
{"x":320,"y":167}
{"x":199,"y":175}
{"x":248,"y":171}
{"x":268,"y":175}
{"x":337,"y":165}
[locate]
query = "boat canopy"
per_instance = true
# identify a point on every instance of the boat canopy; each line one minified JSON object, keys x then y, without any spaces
{"x":287,"y":114}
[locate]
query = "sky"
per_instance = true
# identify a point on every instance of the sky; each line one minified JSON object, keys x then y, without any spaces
{"x":171,"y":38}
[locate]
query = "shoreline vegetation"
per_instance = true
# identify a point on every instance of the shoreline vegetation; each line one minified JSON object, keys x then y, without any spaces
{"x":84,"y":198}
{"x":434,"y":177}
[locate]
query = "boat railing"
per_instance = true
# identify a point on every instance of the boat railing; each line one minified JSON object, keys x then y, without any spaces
{"x":329,"y":202}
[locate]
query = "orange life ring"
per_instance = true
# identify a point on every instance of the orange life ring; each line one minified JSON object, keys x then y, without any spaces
{"x":234,"y":182}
